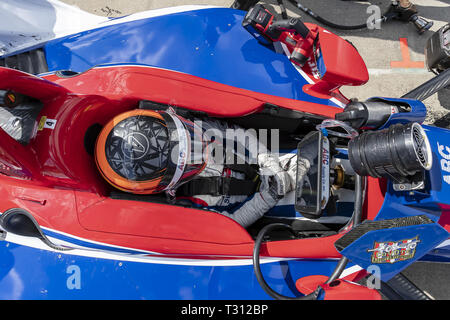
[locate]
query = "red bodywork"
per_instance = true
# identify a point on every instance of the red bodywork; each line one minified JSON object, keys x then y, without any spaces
{"x":336,"y":290}
{"x":344,"y":65}
{"x":341,"y":62}
{"x":65,"y":192}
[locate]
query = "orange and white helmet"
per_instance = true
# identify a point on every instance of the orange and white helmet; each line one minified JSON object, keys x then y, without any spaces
{"x":145,"y":152}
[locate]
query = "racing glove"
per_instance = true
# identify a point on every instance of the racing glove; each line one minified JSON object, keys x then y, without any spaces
{"x":274,"y":179}
{"x":290,"y":163}
{"x":275,"y":183}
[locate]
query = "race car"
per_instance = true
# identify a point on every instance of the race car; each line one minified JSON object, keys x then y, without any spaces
{"x":371,"y":202}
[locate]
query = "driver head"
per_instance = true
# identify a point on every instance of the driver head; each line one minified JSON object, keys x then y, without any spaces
{"x":146,"y":152}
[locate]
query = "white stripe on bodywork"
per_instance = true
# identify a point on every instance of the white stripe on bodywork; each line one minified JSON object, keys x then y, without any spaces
{"x":307,"y":78}
{"x":350,"y":270}
{"x":445,"y":243}
{"x":141,"y":258}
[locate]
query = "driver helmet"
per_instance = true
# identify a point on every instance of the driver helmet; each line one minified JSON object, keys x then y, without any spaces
{"x":146,"y":152}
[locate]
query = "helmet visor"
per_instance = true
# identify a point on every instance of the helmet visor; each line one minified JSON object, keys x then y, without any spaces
{"x":188,"y":151}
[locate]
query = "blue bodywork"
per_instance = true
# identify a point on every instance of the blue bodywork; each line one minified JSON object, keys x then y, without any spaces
{"x":417,"y":112}
{"x":27,"y":273}
{"x":424,"y":238}
{"x":209,"y":43}
{"x":426,"y":201}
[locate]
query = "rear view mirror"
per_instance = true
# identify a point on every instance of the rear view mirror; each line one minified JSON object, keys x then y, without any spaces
{"x":313,"y":175}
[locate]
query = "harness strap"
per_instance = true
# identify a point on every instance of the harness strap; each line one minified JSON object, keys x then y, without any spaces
{"x":250,"y":171}
{"x":219,"y":186}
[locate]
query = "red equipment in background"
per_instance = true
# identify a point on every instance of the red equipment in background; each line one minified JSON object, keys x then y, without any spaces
{"x":330,"y":60}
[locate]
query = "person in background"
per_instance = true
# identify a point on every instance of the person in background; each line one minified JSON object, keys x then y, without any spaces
{"x":402,"y":10}
{"x":406,"y":11}
{"x":405,"y":8}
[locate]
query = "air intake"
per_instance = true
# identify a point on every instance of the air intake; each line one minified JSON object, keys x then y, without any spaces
{"x":33,"y":61}
{"x":398,"y":152}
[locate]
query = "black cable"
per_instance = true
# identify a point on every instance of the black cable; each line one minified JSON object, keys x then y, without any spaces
{"x":326,"y":22}
{"x":356,"y":219}
{"x":283,"y":9}
{"x":25,"y":222}
{"x":243,"y":4}
{"x":430,"y":87}
{"x":257,"y":267}
{"x":340,"y":267}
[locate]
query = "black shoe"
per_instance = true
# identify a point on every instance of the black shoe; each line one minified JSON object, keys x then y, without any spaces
{"x":243,"y":4}
{"x":420,"y":23}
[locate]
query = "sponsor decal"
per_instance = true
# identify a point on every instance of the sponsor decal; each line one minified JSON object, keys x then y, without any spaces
{"x":182,"y":160}
{"x":394,"y":251}
{"x":445,"y":162}
{"x":137,"y":146}
{"x":313,"y":63}
{"x":325,"y":172}
{"x":46,"y":123}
